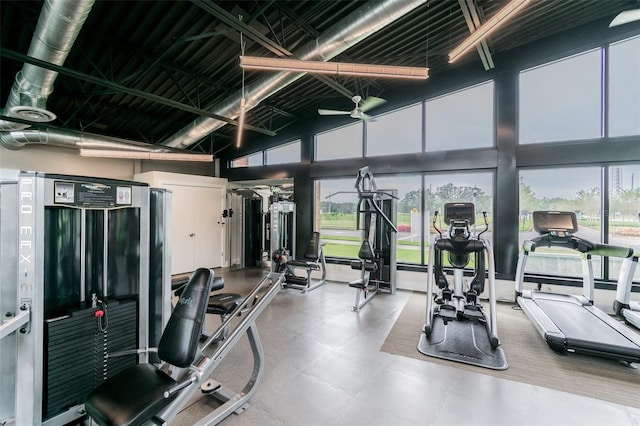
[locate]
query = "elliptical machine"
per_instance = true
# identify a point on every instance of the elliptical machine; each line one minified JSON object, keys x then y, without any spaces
{"x":457,"y":328}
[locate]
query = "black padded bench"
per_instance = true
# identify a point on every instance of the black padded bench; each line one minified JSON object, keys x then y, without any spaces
{"x":223,"y":303}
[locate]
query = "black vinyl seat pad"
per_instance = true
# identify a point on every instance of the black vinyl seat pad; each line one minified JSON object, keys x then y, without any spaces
{"x":130,"y":397}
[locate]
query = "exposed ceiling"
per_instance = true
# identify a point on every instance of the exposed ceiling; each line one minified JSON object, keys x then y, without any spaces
{"x":145,"y":70}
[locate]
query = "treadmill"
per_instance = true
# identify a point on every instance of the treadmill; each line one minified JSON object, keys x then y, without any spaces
{"x":571,"y":323}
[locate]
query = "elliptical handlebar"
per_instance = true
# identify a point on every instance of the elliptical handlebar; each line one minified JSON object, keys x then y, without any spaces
{"x":486,"y":224}
{"x":433,"y":222}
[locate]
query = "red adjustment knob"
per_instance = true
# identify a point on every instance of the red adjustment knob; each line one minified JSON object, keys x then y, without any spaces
{"x":99,"y":313}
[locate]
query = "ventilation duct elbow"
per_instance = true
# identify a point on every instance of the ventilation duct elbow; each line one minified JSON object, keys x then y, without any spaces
{"x":58,"y":26}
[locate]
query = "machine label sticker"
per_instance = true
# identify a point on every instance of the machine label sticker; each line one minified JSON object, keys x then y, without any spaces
{"x":124,"y":195}
{"x":64,"y":193}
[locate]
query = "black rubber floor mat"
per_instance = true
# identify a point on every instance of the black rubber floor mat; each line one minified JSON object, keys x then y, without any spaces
{"x":462,"y":341}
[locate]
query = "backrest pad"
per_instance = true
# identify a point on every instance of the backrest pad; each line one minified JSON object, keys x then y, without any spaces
{"x":179,"y":341}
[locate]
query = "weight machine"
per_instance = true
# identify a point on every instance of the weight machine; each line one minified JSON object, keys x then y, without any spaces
{"x":313,"y":260}
{"x":457,"y":328}
{"x":282,"y":233}
{"x":243,"y":218}
{"x":149,"y":394}
{"x":75,"y":283}
{"x":377,"y":254}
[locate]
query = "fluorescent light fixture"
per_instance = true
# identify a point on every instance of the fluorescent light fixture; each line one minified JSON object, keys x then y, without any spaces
{"x":625,"y":17}
{"x":495,"y":22}
{"x":240,"y":124}
{"x":142,"y":155}
{"x":334,"y":68}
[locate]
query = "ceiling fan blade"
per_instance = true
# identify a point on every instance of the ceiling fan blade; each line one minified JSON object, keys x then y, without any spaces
{"x":332,"y":112}
{"x":371,"y":102}
{"x":360,"y":115}
{"x":625,"y":17}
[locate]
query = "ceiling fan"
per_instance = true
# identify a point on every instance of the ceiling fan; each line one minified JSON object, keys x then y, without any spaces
{"x":360,"y":109}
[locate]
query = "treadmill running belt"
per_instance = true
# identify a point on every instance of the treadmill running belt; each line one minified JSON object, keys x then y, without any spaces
{"x":578,"y":324}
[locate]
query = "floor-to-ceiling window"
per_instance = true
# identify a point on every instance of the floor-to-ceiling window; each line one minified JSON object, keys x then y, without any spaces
{"x":575,"y":189}
{"x":590,"y":98}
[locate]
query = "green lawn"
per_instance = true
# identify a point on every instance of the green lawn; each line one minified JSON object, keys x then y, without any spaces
{"x":351,"y":251}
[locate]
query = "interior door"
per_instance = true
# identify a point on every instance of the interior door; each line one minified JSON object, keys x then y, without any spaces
{"x":208,"y":237}
{"x":196,"y":230}
{"x":181,"y":230}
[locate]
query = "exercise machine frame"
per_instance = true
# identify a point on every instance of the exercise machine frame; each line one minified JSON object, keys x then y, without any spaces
{"x":623,"y":306}
{"x":378,"y":224}
{"x":459,"y":305}
{"x":571,"y":323}
{"x":313,"y":261}
{"x":196,"y":377}
{"x":24,"y":288}
{"x":282,"y":230}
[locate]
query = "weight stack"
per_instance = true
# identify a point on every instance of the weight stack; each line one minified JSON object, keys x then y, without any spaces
{"x":76,"y":348}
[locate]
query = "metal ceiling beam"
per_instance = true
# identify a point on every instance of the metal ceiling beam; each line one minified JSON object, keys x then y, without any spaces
{"x":233,"y":21}
{"x":471,"y":16}
{"x":135,"y":92}
{"x":371,"y":17}
{"x":248,"y":31}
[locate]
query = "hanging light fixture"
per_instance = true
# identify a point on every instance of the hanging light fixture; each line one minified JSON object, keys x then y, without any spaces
{"x":333,"y":68}
{"x":242,"y":100}
{"x":495,"y":22}
{"x":144,"y":155}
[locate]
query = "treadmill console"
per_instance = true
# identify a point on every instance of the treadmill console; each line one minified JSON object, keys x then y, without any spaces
{"x":555,"y":223}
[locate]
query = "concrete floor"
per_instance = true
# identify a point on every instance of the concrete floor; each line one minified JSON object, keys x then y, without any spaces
{"x":324,"y":367}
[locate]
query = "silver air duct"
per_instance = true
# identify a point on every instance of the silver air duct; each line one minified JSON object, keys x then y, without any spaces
{"x":367,"y":20}
{"x":17,"y":139}
{"x":56,"y":31}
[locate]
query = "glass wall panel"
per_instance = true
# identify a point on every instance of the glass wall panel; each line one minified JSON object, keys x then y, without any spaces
{"x":398,"y":132}
{"x":344,"y":142}
{"x":461,"y":120}
{"x":250,"y":160}
{"x":282,"y":154}
{"x":409,"y":212}
{"x":575,"y":189}
{"x":624,"y":211}
{"x":624,"y":88}
{"x":440,"y":189}
{"x":338,"y":217}
{"x":561,"y":100}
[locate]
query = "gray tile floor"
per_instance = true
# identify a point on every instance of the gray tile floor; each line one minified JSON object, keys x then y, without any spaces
{"x":324,"y":367}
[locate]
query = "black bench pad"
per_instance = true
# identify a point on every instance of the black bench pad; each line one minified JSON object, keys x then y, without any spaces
{"x":223,"y":303}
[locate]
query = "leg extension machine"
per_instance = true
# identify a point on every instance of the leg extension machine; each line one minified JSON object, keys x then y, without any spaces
{"x":313,"y":261}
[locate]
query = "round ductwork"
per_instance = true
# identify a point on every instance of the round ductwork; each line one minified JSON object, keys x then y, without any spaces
{"x":31,"y":113}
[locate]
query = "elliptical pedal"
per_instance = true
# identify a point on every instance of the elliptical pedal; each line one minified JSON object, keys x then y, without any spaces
{"x":447,"y":313}
{"x":473,"y":312}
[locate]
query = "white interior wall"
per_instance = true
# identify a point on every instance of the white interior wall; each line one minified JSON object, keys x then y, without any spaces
{"x":50,"y":159}
{"x":66,"y":161}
